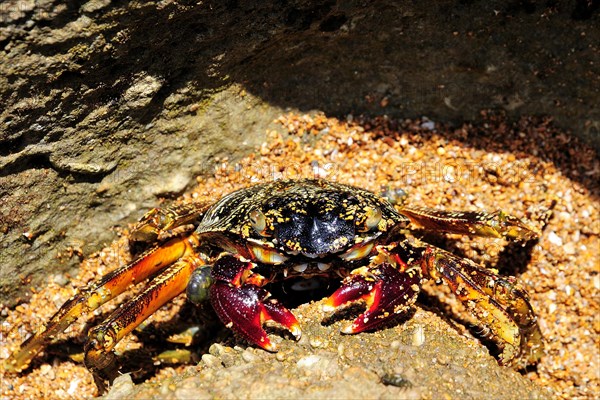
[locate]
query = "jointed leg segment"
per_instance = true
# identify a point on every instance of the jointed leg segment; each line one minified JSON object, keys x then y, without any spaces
{"x":497,"y":224}
{"x":499,"y":302}
{"x":160,"y":222}
{"x":103,"y":338}
{"x":98,"y":293}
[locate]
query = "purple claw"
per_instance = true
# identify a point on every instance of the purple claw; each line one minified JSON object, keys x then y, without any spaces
{"x":245,"y":307}
{"x":387,"y":292}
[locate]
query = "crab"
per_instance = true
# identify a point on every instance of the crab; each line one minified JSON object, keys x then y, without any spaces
{"x":300,"y":229}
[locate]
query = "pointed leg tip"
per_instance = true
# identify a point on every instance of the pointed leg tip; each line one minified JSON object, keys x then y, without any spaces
{"x":8,"y":367}
{"x":328,"y":308}
{"x":296,"y":331}
{"x":272,"y":347}
{"x":17,"y":362}
{"x":350,"y":329}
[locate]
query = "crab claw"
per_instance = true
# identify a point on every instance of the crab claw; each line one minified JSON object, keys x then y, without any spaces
{"x":387,"y":292}
{"x":244,"y":309}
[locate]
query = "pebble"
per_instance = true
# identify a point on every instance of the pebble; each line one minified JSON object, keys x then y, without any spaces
{"x":569,"y":290}
{"x":308,"y":361}
{"x":165,"y":389}
{"x":141,"y":92}
{"x":248,"y":356}
{"x":121,"y":388}
{"x":47,"y":371}
{"x":190,"y":388}
{"x":429,"y":125}
{"x":211,"y":361}
{"x":349,"y":353}
{"x":442,"y":359}
{"x":340,"y":349}
{"x":555,"y":239}
{"x":418,"y":336}
{"x":60,"y":279}
{"x":94,"y":5}
{"x":216,"y":349}
{"x":585,"y":214}
{"x":569,"y":248}
{"x":73,"y":386}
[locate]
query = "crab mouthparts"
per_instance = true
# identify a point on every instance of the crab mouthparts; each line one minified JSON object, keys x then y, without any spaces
{"x":356,"y":252}
{"x":271,"y":255}
{"x":314,"y":255}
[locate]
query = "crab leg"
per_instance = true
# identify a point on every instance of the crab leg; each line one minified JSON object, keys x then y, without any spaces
{"x":103,"y":338}
{"x":496,"y":224}
{"x":98,"y":293}
{"x":499,"y":302}
{"x":158,"y":222}
{"x":243,"y":305}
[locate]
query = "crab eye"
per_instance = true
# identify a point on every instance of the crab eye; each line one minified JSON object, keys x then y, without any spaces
{"x":373,"y":217}
{"x":198,"y":284}
{"x":258,"y":221}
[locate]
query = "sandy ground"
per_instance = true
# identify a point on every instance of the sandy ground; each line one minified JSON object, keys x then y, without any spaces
{"x":528,"y":169}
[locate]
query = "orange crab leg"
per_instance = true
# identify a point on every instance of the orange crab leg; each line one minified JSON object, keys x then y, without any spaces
{"x":500,"y":303}
{"x":103,"y":338}
{"x":98,"y":293}
{"x":496,"y":224}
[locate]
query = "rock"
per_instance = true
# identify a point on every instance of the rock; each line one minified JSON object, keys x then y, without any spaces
{"x":446,"y":365}
{"x":121,"y":388}
{"x":142,"y":91}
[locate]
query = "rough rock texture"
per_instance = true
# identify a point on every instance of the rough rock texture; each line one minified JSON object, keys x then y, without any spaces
{"x":422,"y":358}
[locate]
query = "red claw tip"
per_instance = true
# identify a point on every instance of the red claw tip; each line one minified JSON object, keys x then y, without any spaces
{"x":296,"y":331}
{"x":269,"y":346}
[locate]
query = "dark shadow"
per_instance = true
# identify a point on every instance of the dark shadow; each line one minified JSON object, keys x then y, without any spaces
{"x":433,"y":304}
{"x":515,"y":257}
{"x":445,"y":60}
{"x":141,"y":362}
{"x":294,"y":292}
